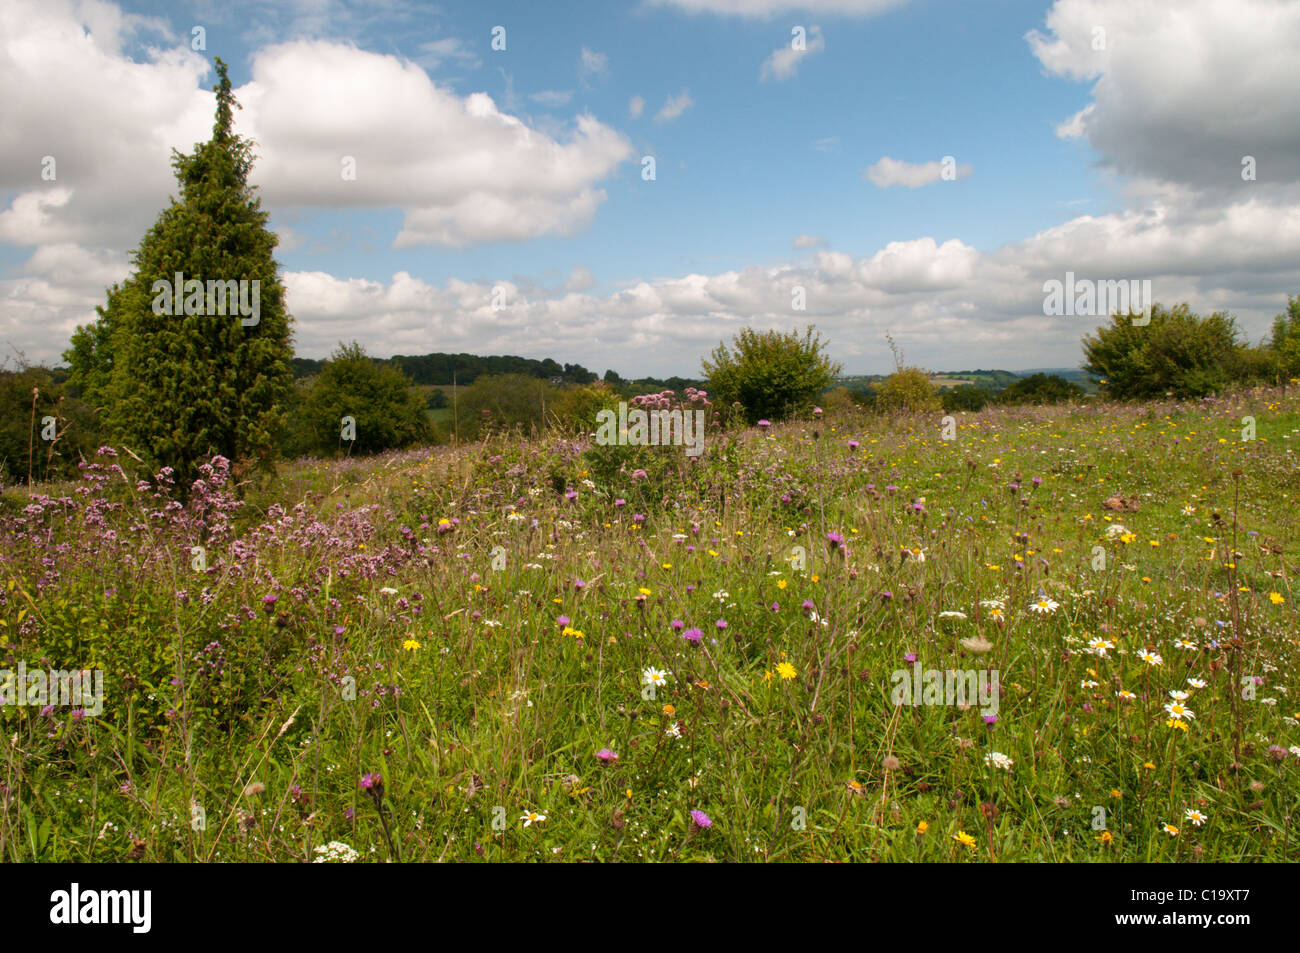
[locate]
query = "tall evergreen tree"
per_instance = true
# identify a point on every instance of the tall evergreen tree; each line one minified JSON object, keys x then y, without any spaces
{"x":181,"y":384}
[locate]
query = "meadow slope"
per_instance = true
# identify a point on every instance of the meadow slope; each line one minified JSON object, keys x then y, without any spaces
{"x":533,"y":649}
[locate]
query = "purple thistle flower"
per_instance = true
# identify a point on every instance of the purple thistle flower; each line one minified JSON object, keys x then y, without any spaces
{"x":604,"y":754}
{"x":372,"y":781}
{"x":678,"y":625}
{"x":693,"y":635}
{"x":563,"y":620}
{"x":721,"y":623}
{"x":910,"y":657}
{"x":701,"y":820}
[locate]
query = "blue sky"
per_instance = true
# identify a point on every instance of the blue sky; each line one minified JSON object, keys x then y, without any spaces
{"x":522,"y":168}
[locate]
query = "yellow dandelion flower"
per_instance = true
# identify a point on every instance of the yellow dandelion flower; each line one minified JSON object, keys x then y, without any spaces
{"x":786,"y":671}
{"x":964,"y":839}
{"x":410,"y":645}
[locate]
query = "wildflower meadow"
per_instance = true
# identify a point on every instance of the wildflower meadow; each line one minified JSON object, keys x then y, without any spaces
{"x":544,"y":648}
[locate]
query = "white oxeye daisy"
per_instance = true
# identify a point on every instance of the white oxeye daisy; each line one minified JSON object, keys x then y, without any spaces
{"x":1196,"y":817}
{"x":1178,"y":711}
{"x":1185,"y":645}
{"x":1100,"y":646}
{"x":1087,"y":683}
{"x":654,"y":676}
{"x":1125,"y":695}
{"x":1196,"y":682}
{"x":531,"y":817}
{"x":1151,"y":658}
{"x":1045,"y":606}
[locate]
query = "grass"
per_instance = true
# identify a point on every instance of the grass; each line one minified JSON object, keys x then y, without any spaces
{"x":455,"y":623}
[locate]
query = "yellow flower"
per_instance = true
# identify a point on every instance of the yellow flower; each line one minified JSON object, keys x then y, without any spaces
{"x":1149,"y":766}
{"x":767,"y":676}
{"x":964,"y":839}
{"x":1105,"y":837}
{"x":410,"y":645}
{"x":922,"y":827}
{"x":669,"y":710}
{"x":644,"y":592}
{"x":1175,"y":723}
{"x":781,"y":584}
{"x":786,"y":671}
{"x":1276,"y":598}
{"x":1170,"y":830}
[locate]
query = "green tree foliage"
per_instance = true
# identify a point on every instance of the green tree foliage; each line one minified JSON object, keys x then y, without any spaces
{"x":841,"y":400}
{"x":503,"y":402}
{"x":386,"y":410}
{"x":575,"y":408}
{"x":178,"y":389}
{"x":464,"y":369}
{"x":969,"y":397}
{"x":1178,"y":353}
{"x":1285,"y":342}
{"x":1040,"y":389}
{"x":42,"y":427}
{"x":909,"y":390}
{"x":773,"y":375}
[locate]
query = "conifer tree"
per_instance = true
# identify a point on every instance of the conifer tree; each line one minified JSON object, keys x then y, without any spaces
{"x":185,"y":372}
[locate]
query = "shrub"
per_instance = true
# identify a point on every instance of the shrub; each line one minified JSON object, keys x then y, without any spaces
{"x":966,"y":397}
{"x":504,"y":402}
{"x":575,"y":409}
{"x":773,"y":375}
{"x":388,"y":412}
{"x":1041,"y":389}
{"x":1285,"y":342}
{"x":1177,"y":353}
{"x":908,"y":389}
{"x":30,"y":396}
